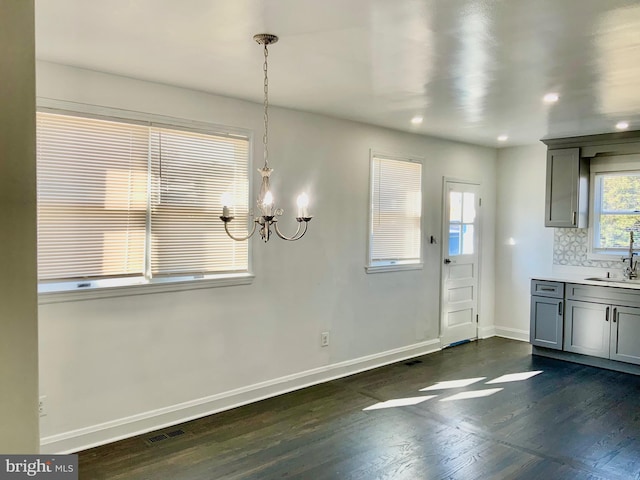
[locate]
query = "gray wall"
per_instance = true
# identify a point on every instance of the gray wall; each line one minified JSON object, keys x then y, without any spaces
{"x":524,"y":247}
{"x":134,"y":362}
{"x":18,"y":321}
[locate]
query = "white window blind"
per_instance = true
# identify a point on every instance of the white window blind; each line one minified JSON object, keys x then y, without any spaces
{"x":120,"y":199}
{"x":92,"y":200}
{"x":396,"y":204}
{"x":191,"y":172}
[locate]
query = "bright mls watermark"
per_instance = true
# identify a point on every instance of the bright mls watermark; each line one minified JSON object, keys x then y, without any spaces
{"x":51,"y":467}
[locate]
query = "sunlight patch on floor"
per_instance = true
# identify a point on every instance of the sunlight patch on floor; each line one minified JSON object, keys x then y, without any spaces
{"x":399,"y":402}
{"x":472,"y":394}
{"x":514,"y":377}
{"x":465,"y":382}
{"x":449,"y":384}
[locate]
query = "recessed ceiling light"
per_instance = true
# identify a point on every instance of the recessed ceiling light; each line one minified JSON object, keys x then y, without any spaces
{"x":503,"y":138}
{"x":622,"y":125}
{"x":550,"y":97}
{"x":417,"y":120}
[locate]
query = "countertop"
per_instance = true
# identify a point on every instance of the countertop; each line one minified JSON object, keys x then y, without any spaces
{"x":581,"y":279}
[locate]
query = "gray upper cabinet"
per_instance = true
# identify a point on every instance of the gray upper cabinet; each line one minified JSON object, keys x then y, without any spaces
{"x":568,"y":159}
{"x":567,"y":201}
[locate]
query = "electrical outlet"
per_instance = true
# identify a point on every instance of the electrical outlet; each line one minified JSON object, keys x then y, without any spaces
{"x":324,"y":339}
{"x":42,"y":406}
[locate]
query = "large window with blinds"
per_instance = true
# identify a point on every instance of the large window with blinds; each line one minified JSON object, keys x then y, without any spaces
{"x":136,"y":201}
{"x":395,"y":231}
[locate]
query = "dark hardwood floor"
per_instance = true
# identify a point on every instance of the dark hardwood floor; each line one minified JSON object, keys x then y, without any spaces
{"x":568,"y":422}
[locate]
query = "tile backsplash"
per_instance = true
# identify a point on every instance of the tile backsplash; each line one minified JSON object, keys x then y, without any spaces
{"x":570,"y":246}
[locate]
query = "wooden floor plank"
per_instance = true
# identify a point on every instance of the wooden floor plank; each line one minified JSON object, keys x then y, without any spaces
{"x":570,"y":421}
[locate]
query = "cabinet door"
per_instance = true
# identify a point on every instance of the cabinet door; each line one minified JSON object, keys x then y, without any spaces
{"x":563,"y":178}
{"x":586,"y":328}
{"x":625,"y":334}
{"x":546,"y":322}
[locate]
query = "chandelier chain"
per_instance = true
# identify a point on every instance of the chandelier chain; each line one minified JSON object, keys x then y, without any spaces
{"x":265,"y":137}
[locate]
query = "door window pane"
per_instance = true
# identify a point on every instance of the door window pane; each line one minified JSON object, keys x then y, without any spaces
{"x":455,"y":207}
{"x":467,"y":239}
{"x":454,"y":240}
{"x":462,"y":212}
{"x":469,"y":207}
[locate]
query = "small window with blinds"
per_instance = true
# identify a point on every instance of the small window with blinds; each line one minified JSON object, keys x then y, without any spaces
{"x":395,"y":214}
{"x":119,"y":199}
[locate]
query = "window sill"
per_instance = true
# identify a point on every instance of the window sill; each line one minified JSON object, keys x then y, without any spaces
{"x":609,"y":256}
{"x":164,"y":286}
{"x":393,"y":268}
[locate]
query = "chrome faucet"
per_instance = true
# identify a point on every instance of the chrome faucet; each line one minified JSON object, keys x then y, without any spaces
{"x":631,"y":270}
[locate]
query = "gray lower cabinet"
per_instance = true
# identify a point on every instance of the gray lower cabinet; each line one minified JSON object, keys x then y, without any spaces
{"x":586,"y":328}
{"x":600,"y":330}
{"x":625,"y":334}
{"x":598,"y":321}
{"x":546,"y":322}
{"x":547,"y":307}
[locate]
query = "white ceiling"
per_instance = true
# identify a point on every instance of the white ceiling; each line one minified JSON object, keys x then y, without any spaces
{"x":474,"y":69}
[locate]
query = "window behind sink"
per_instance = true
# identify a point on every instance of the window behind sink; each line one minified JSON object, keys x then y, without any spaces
{"x":615,"y":206}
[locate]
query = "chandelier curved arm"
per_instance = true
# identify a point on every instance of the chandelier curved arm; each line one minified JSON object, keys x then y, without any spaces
{"x":296,"y":236}
{"x":238,"y":239}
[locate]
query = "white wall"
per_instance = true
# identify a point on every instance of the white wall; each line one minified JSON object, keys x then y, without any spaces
{"x":18,"y":302}
{"x":111,"y":367}
{"x":524,"y":247}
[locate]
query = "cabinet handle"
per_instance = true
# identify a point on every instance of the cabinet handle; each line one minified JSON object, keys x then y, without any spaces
{"x":615,"y":313}
{"x":606,"y":316}
{"x":560,"y":309}
{"x":547,"y":289}
{"x":573,"y":218}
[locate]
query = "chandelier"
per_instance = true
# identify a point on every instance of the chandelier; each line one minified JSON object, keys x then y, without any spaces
{"x":265,"y":202}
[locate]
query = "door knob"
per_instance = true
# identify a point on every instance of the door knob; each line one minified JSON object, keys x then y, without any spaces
{"x":447,"y":261}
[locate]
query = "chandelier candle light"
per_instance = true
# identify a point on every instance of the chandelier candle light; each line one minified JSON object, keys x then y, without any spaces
{"x":265,"y":202}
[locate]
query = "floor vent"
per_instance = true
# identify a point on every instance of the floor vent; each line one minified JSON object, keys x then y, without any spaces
{"x":157,"y":438}
{"x":164,"y":436}
{"x":412,"y":362}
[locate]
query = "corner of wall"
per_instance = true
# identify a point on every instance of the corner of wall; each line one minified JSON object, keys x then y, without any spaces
{"x":18,"y":301}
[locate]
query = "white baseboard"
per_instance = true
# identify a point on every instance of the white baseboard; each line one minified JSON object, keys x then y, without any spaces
{"x":92,"y":436}
{"x":486,"y":332}
{"x":512,"y":333}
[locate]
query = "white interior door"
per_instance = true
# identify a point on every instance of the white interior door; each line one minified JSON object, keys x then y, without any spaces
{"x":460,"y":247}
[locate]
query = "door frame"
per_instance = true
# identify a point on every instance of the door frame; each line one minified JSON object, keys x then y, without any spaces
{"x":443,"y":254}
